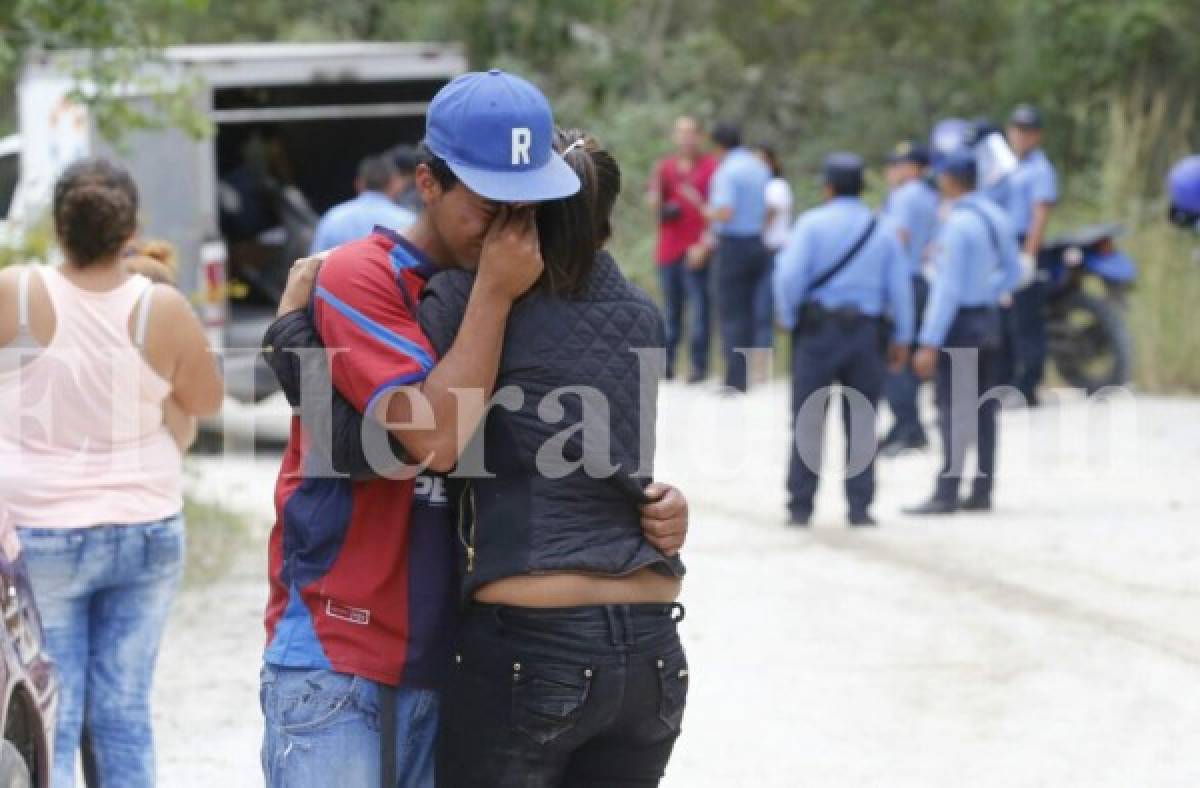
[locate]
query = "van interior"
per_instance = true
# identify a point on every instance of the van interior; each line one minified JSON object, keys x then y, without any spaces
{"x":286,"y":154}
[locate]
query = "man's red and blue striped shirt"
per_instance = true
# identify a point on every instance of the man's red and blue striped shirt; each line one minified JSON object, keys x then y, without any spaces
{"x":362,"y":573}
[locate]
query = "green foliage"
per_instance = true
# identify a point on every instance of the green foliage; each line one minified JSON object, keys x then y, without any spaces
{"x":117,"y":37}
{"x":33,"y":245}
{"x":1115,"y":78}
{"x":1163,"y":308}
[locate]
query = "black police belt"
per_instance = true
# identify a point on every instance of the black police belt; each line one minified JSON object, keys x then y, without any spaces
{"x":814,"y":315}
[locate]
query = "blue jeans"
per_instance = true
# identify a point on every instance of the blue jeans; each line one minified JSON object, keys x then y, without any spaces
{"x":104,"y":593}
{"x":682,"y":286}
{"x":322,"y":729}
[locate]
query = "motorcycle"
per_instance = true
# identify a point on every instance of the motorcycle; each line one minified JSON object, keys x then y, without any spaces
{"x":1087,"y":337}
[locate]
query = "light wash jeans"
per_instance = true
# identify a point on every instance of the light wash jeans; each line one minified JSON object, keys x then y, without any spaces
{"x":322,"y":730}
{"x":103,"y":593}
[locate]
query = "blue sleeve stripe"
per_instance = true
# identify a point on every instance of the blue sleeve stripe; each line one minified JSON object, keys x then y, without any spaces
{"x":399,"y":262}
{"x":391,"y":385}
{"x":385,"y":335}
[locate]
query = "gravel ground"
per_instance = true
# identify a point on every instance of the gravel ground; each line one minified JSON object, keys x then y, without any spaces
{"x":1053,"y":642}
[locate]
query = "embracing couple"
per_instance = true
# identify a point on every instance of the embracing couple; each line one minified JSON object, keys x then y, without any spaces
{"x":511,"y":622}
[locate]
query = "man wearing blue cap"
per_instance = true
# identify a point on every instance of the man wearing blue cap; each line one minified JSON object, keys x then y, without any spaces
{"x":974,"y":263}
{"x":839,"y":276}
{"x":912,"y":205}
{"x":363,"y":588}
{"x":1031,"y":192}
{"x":738,"y":212}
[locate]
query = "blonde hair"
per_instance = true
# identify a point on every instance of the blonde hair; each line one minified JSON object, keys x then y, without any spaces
{"x":152,"y":258}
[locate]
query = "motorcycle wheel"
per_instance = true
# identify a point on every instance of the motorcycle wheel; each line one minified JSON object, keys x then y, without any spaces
{"x":1090,"y":343}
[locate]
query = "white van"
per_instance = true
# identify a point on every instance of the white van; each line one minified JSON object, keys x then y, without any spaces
{"x":291,"y":123}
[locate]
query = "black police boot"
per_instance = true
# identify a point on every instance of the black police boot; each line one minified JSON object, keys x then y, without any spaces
{"x":933,"y":506}
{"x":861,"y":520}
{"x":976,"y":503}
{"x":798,"y":518}
{"x":980,"y":499}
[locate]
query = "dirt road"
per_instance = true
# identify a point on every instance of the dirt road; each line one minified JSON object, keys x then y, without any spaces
{"x":1053,"y":642}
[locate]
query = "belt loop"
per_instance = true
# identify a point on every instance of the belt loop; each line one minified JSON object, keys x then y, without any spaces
{"x":613,"y":626}
{"x":627,"y":622}
{"x":677,"y":608}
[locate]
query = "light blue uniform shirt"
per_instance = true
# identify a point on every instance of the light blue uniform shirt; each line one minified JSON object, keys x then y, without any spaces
{"x":1033,"y":181}
{"x":972,"y":266}
{"x":913,"y":206}
{"x":740,"y":183}
{"x":997,"y":192}
{"x":875,"y":281}
{"x":355,"y":219}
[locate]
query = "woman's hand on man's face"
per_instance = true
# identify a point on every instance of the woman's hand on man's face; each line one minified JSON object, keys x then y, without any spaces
{"x":665,"y":518}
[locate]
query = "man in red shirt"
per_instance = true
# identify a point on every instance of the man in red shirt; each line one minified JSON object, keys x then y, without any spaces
{"x":678,"y":192}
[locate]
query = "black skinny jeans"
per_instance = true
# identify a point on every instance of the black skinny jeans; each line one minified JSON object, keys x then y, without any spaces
{"x":585,"y":697}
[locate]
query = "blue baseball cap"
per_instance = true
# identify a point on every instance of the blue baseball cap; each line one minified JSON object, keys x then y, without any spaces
{"x":496,"y":133}
{"x":960,"y":165}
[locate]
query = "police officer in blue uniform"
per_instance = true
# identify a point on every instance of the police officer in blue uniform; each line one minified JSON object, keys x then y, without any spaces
{"x":840,"y":274}
{"x":912,"y":204}
{"x":975,"y":262}
{"x":738,"y":212}
{"x":1031,"y":192}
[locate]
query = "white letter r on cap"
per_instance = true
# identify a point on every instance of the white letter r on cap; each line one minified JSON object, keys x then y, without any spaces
{"x":522,"y":138}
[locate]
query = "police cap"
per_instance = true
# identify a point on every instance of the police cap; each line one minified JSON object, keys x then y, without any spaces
{"x":1026,"y":116}
{"x":844,"y":172}
{"x":909,"y":152}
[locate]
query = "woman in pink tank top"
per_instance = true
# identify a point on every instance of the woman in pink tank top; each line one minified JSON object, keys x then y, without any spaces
{"x":96,"y":367}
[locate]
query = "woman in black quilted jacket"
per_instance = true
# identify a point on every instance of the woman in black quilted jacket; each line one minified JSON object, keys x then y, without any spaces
{"x":569,"y":666}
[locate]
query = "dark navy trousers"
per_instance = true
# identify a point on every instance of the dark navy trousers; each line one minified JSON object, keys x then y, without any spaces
{"x":965,"y":418}
{"x":1022,"y":357}
{"x":741,"y":265}
{"x":1026,"y":338}
{"x":846,"y":351}
{"x":903,"y":387}
{"x":686,"y":288}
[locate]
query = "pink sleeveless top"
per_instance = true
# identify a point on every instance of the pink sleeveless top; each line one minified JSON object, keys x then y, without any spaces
{"x":82,"y":440}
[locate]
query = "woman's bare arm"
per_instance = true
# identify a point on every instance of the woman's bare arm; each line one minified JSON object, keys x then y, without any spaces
{"x":178,"y":350}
